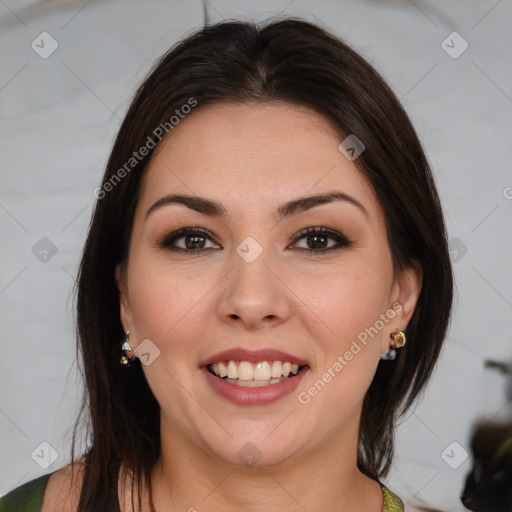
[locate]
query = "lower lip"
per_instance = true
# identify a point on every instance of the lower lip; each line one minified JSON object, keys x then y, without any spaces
{"x":253,"y":396}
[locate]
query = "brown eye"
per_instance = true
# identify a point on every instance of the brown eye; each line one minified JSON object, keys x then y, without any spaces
{"x":317,"y":239}
{"x":194,"y":240}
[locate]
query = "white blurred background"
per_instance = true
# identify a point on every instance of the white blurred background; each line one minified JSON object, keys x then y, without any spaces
{"x":59,"y":115}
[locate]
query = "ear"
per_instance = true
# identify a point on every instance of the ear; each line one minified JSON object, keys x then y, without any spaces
{"x":124,"y":305}
{"x":404,"y":295}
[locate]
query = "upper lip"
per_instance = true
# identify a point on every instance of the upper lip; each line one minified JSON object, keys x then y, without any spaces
{"x":252,"y":356}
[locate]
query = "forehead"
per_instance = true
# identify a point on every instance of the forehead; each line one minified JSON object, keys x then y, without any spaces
{"x":247,"y":155}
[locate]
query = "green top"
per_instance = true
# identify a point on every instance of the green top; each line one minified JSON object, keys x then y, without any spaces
{"x":29,"y":498}
{"x":392,"y":503}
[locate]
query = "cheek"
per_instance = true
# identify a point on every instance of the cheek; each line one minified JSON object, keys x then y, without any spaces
{"x":166,"y":305}
{"x":343,"y":307}
{"x":346,"y":326}
{"x":349,"y":345}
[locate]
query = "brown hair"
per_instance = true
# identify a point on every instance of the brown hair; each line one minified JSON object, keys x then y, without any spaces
{"x":298,"y":62}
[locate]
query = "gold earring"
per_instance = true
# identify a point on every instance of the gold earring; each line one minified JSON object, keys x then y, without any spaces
{"x":398,"y":339}
{"x":128,"y":356}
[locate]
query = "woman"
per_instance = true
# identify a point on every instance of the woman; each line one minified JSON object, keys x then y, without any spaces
{"x":265,"y":286}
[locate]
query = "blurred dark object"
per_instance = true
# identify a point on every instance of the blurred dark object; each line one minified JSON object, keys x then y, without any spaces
{"x":489,"y":484}
{"x":505,"y":368}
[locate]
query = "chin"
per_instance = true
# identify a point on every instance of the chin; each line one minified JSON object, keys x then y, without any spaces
{"x":259,"y":449}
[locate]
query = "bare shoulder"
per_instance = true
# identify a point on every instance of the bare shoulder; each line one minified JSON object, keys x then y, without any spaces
{"x":63,"y":489}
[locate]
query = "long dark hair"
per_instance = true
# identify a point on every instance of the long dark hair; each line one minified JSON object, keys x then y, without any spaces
{"x":288,"y":60}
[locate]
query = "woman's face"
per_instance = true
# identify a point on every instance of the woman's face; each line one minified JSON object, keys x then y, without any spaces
{"x":259,"y":281}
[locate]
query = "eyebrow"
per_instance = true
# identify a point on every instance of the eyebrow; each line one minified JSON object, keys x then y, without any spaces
{"x":215,"y":209}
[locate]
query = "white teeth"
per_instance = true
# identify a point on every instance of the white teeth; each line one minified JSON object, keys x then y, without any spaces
{"x":222,"y":370}
{"x":263,"y":371}
{"x":245,"y":371}
{"x":277,"y":369}
{"x":232,"y":371}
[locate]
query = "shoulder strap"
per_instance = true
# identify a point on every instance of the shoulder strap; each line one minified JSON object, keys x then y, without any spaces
{"x":27,"y":497}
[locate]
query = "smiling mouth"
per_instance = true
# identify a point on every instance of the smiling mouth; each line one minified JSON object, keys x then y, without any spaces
{"x":246,"y":374}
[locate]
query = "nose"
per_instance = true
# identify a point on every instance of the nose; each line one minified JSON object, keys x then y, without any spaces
{"x":254,"y":294}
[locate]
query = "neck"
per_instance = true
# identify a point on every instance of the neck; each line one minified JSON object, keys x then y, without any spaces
{"x":186,"y":478}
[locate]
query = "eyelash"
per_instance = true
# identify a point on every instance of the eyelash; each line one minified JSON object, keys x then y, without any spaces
{"x":341,"y":240}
